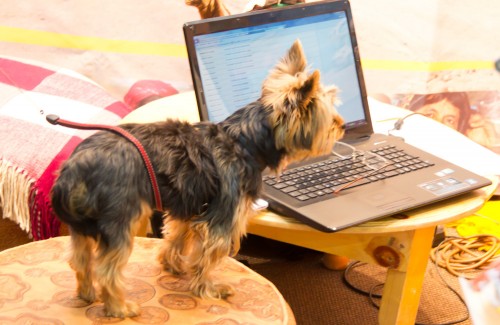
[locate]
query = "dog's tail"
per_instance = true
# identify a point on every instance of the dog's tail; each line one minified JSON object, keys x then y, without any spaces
{"x":71,"y":203}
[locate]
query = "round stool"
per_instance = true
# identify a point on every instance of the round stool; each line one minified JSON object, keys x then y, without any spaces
{"x":38,"y":286}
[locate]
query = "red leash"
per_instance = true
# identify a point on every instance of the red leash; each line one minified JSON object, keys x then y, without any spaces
{"x":55,"y":120}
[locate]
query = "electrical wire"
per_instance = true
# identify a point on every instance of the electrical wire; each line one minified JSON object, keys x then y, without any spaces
{"x":372,"y":296}
{"x":464,"y":256}
{"x":399,"y":123}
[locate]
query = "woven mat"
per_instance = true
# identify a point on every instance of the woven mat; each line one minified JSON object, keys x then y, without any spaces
{"x":319,"y":296}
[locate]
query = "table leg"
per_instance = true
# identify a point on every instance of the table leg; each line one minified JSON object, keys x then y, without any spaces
{"x":401,"y":295}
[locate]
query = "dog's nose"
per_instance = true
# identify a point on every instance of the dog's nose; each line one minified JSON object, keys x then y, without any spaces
{"x":342,"y":126}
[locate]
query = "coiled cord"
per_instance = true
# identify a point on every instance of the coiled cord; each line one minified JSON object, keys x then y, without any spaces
{"x":464,"y":256}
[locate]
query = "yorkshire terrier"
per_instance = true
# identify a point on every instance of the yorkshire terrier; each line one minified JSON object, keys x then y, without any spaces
{"x":217,"y":8}
{"x":208,"y":175}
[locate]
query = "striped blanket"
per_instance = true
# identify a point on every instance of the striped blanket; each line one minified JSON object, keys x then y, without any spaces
{"x":31,"y":149}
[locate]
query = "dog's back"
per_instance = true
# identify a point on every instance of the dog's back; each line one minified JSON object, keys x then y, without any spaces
{"x":105,"y":183}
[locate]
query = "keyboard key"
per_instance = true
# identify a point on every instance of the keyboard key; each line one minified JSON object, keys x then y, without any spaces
{"x":279,"y":185}
{"x":289,"y":189}
{"x":362,"y":181}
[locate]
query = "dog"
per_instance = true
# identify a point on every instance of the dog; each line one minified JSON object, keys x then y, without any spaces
{"x":217,"y":8}
{"x":208,"y":175}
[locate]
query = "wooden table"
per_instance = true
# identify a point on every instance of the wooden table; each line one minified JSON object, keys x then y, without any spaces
{"x":402,"y":245}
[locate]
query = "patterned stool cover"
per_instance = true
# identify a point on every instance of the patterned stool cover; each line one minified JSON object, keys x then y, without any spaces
{"x":37,"y":286}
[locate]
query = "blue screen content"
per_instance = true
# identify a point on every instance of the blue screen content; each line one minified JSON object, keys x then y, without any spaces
{"x":233,"y":64}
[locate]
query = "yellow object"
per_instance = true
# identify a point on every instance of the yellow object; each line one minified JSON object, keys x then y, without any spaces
{"x":485,"y":221}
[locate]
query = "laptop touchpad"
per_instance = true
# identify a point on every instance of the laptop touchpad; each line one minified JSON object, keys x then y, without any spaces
{"x":386,"y":199}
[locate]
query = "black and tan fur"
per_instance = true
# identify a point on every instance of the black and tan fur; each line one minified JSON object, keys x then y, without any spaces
{"x":208,"y":174}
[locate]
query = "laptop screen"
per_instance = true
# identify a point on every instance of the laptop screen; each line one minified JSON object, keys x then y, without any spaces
{"x":232,"y":63}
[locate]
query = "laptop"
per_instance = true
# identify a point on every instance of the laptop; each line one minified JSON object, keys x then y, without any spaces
{"x":231,"y":56}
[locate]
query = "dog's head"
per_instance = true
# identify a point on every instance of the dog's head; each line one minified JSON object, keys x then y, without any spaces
{"x":304,"y":118}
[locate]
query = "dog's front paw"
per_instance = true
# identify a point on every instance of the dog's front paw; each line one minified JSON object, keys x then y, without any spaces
{"x":224,"y":290}
{"x":168,"y":267}
{"x":213,"y":291}
{"x":173,"y":270}
{"x":129,"y":309}
{"x":88,"y":294}
{"x":171,"y":265}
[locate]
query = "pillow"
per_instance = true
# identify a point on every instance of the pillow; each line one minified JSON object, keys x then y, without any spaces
{"x":31,"y":149}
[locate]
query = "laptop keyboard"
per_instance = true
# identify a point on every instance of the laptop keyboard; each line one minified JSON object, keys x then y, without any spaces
{"x":319,"y":179}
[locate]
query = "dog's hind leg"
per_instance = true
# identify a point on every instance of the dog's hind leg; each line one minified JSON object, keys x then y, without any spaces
{"x":111,"y":259}
{"x":113,"y":253}
{"x":82,"y":263}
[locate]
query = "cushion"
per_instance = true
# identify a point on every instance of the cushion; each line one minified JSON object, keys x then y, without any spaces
{"x":31,"y":149}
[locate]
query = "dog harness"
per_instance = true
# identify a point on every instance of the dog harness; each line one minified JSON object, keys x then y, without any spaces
{"x":55,"y":120}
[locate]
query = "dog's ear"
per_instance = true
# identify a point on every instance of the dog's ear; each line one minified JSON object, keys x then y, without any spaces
{"x":307,"y":90}
{"x":294,"y":61}
{"x":288,"y":85}
{"x":304,"y":90}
